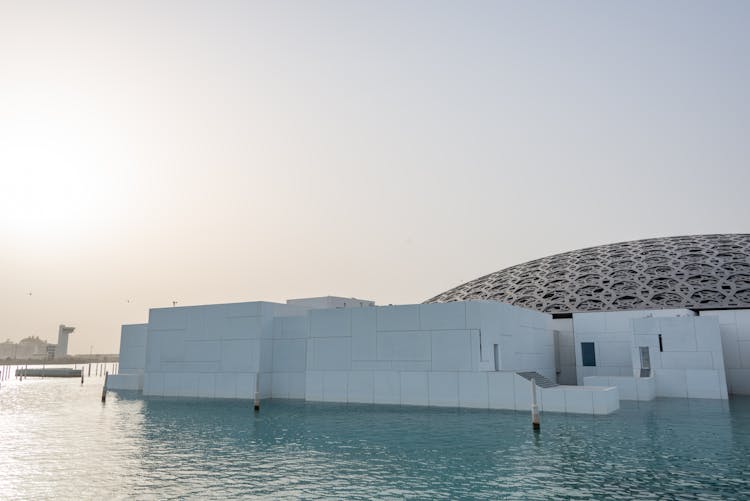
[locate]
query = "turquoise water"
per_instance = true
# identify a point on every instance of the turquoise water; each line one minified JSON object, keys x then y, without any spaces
{"x":58,"y":441}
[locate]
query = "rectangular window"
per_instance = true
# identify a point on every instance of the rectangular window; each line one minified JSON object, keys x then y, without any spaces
{"x":587,"y":355}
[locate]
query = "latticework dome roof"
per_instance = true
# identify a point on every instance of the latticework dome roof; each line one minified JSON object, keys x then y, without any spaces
{"x":698,"y":272}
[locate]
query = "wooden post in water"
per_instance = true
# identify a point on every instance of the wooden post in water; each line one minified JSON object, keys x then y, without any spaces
{"x":89,"y":374}
{"x":534,"y":407}
{"x":81,"y":376}
{"x":104,"y":388}
{"x":256,"y":403}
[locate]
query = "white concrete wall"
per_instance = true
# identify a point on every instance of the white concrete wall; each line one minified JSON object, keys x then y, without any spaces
{"x":691,"y":364}
{"x":734,"y":326}
{"x":210,"y":351}
{"x":132,"y":361}
{"x":429,"y":354}
{"x":289,"y":356}
{"x":612,"y":335}
{"x":630,"y":388}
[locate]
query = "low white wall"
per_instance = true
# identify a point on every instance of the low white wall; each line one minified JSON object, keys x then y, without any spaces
{"x":125,"y":382}
{"x":483,"y":390}
{"x":132,"y":361}
{"x":734,"y":326}
{"x":630,"y":388}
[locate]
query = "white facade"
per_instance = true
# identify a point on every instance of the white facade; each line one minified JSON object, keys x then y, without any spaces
{"x":648,"y":354}
{"x":458,"y":354}
{"x":462,"y":354}
{"x":734,"y":326}
{"x":132,"y":361}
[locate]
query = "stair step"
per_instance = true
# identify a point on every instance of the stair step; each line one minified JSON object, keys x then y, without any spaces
{"x":540,"y":380}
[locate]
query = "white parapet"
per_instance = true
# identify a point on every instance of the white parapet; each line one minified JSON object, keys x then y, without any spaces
{"x":630,"y":388}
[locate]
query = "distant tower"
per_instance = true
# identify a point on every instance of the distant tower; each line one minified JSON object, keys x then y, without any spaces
{"x":62,"y":340}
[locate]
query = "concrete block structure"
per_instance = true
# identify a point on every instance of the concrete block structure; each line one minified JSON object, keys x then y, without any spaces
{"x":465,"y":354}
{"x":656,"y":318}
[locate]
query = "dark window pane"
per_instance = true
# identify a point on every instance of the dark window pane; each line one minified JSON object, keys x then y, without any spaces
{"x":588,"y":356}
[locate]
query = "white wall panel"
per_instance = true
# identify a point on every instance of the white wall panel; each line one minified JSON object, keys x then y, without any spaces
{"x":172,"y":346}
{"x":289,"y":355}
{"x":328,"y":323}
{"x":703,"y":384}
{"x":167,"y":318}
{"x":578,"y":400}
{"x":364,"y":338}
{"x":686,"y":360}
{"x":443,"y":388}
{"x":403,"y":345}
{"x":441,"y":316}
{"x":398,"y":318}
{"x":502,"y":390}
{"x":202,"y":351}
{"x":246,"y":385}
{"x":473,"y":390}
{"x":332,"y":353}
{"x":226,"y":385}
{"x":240,"y":355}
{"x":451,"y":350}
{"x":589,"y":323}
{"x":671,"y":383}
{"x":153,"y":384}
{"x":335,"y":385}
{"x":314,"y":385}
{"x":242,"y":328}
{"x":386,"y":387}
{"x":414,"y":388}
{"x":361,"y":387}
{"x":207,"y":385}
{"x":552,"y":399}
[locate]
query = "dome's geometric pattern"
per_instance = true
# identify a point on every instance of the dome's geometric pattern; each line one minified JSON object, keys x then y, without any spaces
{"x":699,"y":272}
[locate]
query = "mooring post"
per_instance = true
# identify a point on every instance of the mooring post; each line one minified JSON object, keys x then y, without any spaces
{"x":104,"y":388}
{"x":81,"y":375}
{"x":256,"y":403}
{"x":89,"y":374}
{"x":534,"y":407}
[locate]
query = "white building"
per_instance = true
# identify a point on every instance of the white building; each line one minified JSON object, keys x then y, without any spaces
{"x":634,"y":321}
{"x":475,"y":354}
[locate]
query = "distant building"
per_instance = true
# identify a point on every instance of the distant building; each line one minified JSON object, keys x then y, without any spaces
{"x":33,"y":347}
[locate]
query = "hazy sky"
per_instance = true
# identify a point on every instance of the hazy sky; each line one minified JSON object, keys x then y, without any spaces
{"x":222,"y":151}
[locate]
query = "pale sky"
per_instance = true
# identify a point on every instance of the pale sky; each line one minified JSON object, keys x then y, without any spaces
{"x":221,"y":151}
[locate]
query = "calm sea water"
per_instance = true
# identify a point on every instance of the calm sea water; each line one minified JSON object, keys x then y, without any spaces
{"x":58,"y":441}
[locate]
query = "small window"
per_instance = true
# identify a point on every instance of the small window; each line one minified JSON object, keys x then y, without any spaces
{"x":588,"y":355}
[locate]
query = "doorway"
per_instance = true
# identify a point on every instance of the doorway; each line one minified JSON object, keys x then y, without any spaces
{"x":645,"y":361}
{"x":496,"y":352}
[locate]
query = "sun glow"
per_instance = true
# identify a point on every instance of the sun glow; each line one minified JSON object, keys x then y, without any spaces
{"x":57,"y":179}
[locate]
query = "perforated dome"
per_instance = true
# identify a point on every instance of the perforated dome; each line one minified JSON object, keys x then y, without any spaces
{"x":698,"y":272}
